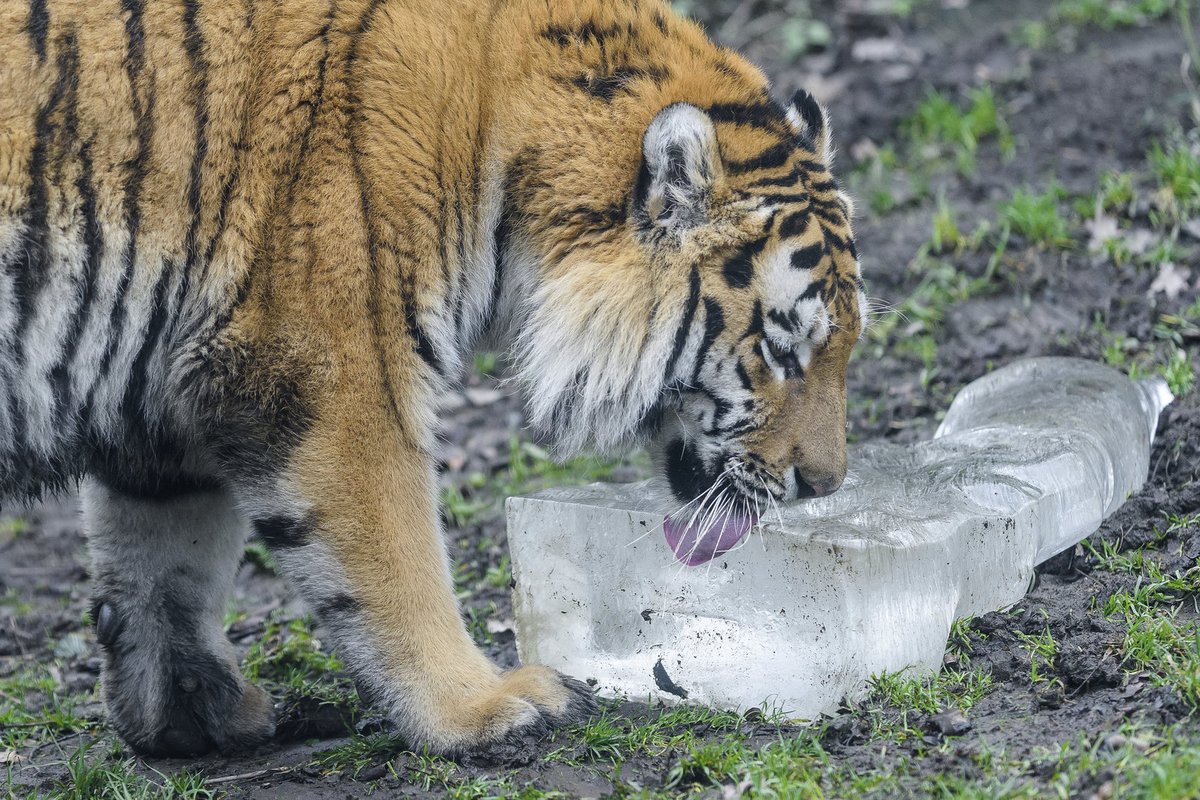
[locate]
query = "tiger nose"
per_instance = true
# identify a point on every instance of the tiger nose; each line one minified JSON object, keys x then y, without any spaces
{"x":816,"y":485}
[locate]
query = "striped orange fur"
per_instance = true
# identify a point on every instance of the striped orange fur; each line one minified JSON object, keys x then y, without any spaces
{"x":244,"y":245}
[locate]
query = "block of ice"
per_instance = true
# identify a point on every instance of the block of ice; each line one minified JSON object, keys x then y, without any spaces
{"x":826,"y":592}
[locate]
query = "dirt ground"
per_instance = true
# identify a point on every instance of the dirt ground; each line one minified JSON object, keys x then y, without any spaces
{"x":1084,"y":102}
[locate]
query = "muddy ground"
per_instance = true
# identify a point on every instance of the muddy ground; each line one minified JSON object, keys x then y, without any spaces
{"x":1086,"y":101}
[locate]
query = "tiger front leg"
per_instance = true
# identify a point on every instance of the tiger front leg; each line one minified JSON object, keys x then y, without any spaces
{"x":353,"y":522}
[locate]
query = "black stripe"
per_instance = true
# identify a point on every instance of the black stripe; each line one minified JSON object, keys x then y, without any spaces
{"x":319,"y":95}
{"x":791,"y":178}
{"x":310,"y":125}
{"x":422,"y":343}
{"x":787,"y":322}
{"x":681,"y":333}
{"x":39,"y":27}
{"x":605,"y":86}
{"x":833,"y":241}
{"x":586,"y":32}
{"x":500,"y":243}
{"x":739,"y":269}
{"x":193,"y":44}
{"x":460,"y":255}
{"x":32,"y":275}
{"x":783,"y":198}
{"x":67,"y":137}
{"x":134,"y":64}
{"x":743,"y":376}
{"x":341,"y":604}
{"x":93,"y":239}
{"x":765,"y":115}
{"x":811,"y":291}
{"x":771,"y":158}
{"x":794,"y":224}
{"x":222,"y":214}
{"x":139,"y":375}
{"x":755,"y":328}
{"x":281,"y":533}
{"x":133,"y":219}
{"x":714,"y":323}
{"x":374,"y":299}
{"x":808,"y":257}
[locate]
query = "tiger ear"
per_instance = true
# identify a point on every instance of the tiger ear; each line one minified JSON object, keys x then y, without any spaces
{"x":811,"y":122}
{"x":680,"y":163}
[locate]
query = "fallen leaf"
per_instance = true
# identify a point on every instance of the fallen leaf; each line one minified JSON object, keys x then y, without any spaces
{"x":1140,"y":240}
{"x":880,"y":49}
{"x":1103,"y":229}
{"x":10,"y":757}
{"x":1171,"y":280}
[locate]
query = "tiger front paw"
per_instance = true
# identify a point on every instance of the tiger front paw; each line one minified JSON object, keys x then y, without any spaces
{"x":525,"y":705}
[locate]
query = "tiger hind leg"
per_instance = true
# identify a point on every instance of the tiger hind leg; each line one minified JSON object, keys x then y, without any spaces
{"x":163,"y":570}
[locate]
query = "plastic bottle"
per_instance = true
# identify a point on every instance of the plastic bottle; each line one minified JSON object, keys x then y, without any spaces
{"x":827,"y":592}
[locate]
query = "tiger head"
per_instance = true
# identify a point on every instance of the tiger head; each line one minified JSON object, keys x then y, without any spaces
{"x":718,"y":323}
{"x":755,"y":396}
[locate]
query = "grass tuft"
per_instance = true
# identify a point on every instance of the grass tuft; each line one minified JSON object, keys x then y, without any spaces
{"x":1036,"y":217}
{"x":943,"y":127}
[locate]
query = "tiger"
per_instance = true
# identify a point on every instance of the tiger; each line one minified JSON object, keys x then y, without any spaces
{"x":245,"y":247}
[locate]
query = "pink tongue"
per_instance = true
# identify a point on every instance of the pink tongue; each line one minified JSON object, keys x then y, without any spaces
{"x":693,"y":546}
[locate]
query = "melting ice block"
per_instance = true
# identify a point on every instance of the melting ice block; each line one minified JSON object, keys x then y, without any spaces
{"x":1029,"y":460}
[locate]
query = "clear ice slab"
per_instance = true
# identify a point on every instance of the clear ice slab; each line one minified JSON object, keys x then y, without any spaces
{"x":827,"y":592}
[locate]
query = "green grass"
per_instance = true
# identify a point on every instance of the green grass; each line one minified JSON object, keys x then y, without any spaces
{"x":909,"y":330}
{"x":899,"y":700}
{"x":1105,"y":14}
{"x":1176,"y":167}
{"x":946,"y":235}
{"x":1156,"y":639}
{"x":1043,"y":651}
{"x":950,"y":688}
{"x":609,"y":738}
{"x":1109,"y":14}
{"x":256,"y":553}
{"x":111,"y":776}
{"x":940,"y":127}
{"x":35,"y":709}
{"x":1036,"y":217}
{"x":360,"y":752}
{"x":1167,"y":354}
{"x":530,"y":468}
{"x":1116,"y":192}
{"x":290,"y":662}
{"x":1178,"y":374}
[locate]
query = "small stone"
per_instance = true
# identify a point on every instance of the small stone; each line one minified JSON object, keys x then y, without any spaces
{"x":372,"y":773}
{"x":950,"y":723}
{"x":1115,"y":741}
{"x":478,"y":396}
{"x":1051,"y":696}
